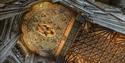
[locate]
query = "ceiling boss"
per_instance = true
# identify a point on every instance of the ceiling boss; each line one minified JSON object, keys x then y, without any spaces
{"x":45,"y":26}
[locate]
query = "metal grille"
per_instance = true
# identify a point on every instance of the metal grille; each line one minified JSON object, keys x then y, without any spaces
{"x":96,"y":44}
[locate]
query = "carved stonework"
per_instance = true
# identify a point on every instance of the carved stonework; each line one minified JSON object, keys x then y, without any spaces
{"x":35,"y":31}
{"x":44,"y":26}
